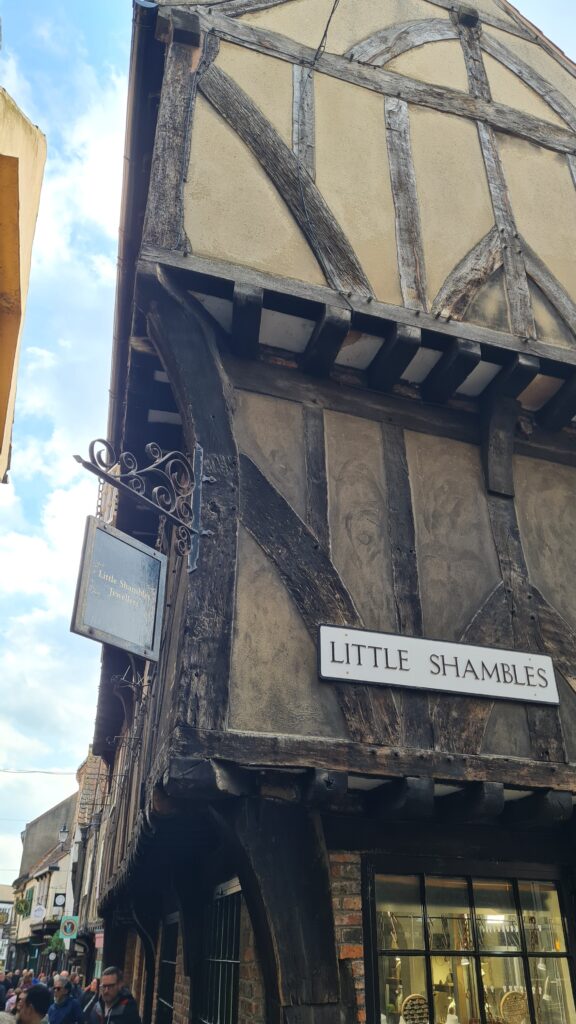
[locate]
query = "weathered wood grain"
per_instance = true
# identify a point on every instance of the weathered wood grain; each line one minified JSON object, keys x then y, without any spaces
{"x":326,"y":341}
{"x":452,"y":369}
{"x":555,"y":99}
{"x":246,"y":318}
{"x":480,"y":801}
{"x":303,"y":118}
{"x":408,"y":799}
{"x":365,"y":310}
{"x":364,"y":758}
{"x":272,"y":840}
{"x":543,"y":722}
{"x":316,"y":482}
{"x":513,"y":378}
{"x":382,"y":46}
{"x":201,"y":393}
{"x":415,"y":715}
{"x":468,"y":276}
{"x":398,"y":349}
{"x":390,"y":83}
{"x":499,"y":417}
{"x":409,"y":246}
{"x":551,"y":287}
{"x":560,"y":410}
{"x":517,"y":289}
{"x":488,"y":19}
{"x":316,"y":589}
{"x":164,"y":218}
{"x":325,"y":236}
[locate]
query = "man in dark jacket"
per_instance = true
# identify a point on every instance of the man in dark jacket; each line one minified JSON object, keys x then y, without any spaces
{"x":64,"y":1009}
{"x":116,"y":1004}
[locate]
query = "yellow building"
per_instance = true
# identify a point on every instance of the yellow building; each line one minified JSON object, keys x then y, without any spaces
{"x":22,"y":158}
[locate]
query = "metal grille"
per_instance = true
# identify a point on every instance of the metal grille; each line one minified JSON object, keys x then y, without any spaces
{"x":221,"y":958}
{"x":167,"y":973}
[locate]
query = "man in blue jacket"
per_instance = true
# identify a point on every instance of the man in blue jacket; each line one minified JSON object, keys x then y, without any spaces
{"x":64,"y":1009}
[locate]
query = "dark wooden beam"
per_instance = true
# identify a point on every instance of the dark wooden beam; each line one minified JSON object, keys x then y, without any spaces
{"x":261,"y":751}
{"x":400,"y":345}
{"x":368,"y":313}
{"x":178,"y":27}
{"x":207,"y":780}
{"x":391,"y":83}
{"x":409,"y":798}
{"x":246,"y":319}
{"x":544,"y":808}
{"x":326,"y":341}
{"x":561,"y":409}
{"x":499,"y":418}
{"x":323,"y":787}
{"x":451,"y":371}
{"x":514,"y":378}
{"x":478,"y":801}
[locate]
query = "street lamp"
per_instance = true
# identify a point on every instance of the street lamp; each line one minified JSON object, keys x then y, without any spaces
{"x":63,"y":834}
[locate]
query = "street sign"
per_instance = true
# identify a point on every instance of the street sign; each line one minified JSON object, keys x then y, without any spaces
{"x":120,"y":593}
{"x":52,"y":956}
{"x":69,"y":927}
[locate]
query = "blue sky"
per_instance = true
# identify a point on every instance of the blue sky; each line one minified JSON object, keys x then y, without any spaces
{"x":65,"y":63}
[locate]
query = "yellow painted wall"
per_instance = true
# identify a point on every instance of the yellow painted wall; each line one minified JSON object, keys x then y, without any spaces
{"x":455,"y":206}
{"x":20,"y":188}
{"x":234,"y":213}
{"x":544,"y":203}
{"x":353,"y":174}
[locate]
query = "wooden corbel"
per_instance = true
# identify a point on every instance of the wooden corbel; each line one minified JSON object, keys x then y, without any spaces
{"x":499,"y":417}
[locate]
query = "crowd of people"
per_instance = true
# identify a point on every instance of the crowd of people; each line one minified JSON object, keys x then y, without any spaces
{"x":64,"y":999}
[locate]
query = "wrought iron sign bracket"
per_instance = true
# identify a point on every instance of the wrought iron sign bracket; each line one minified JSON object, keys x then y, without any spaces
{"x":170,"y":485}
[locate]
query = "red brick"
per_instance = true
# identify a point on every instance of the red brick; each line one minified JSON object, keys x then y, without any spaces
{"x":352,"y":903}
{"x":351,"y":952}
{"x":352,"y":918}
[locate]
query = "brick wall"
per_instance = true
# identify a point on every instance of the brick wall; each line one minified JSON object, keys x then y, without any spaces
{"x":181,"y":988}
{"x":346,"y":878}
{"x":251,"y":1004}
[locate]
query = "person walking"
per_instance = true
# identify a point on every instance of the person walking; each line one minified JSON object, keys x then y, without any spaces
{"x":65,"y":1009}
{"x":33,"y":1005}
{"x":116,"y":1004}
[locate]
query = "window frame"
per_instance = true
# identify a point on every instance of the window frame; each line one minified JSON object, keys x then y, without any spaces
{"x":373,"y":865}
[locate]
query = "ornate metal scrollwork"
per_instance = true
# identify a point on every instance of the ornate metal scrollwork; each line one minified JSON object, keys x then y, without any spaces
{"x":167,"y":484}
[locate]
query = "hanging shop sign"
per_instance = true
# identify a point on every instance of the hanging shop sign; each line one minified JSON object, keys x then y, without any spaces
{"x":120,"y":593}
{"x":381,"y":659}
{"x":69,"y":927}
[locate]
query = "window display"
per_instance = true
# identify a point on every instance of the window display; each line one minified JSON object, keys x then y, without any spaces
{"x":463,"y":950}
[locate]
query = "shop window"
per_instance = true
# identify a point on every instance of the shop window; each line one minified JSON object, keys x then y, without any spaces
{"x":220,"y":961}
{"x":469,"y":950}
{"x":167,"y":971}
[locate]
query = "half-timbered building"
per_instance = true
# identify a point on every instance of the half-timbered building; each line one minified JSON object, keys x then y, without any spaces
{"x":347,"y":287}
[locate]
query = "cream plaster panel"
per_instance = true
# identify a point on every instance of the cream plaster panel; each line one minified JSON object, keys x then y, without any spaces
{"x":440,"y":63}
{"x":507,"y":88}
{"x":457,"y":562}
{"x":490,"y":307}
{"x":549,"y":324}
{"x":542,"y":62}
{"x":254,"y":227}
{"x":267,"y":81}
{"x":274,"y":684}
{"x":352,"y":172}
{"x":271,"y":432}
{"x":546,"y":508}
{"x":358,"y":516}
{"x":354,"y":20}
{"x":544,"y":204}
{"x":455,"y":206}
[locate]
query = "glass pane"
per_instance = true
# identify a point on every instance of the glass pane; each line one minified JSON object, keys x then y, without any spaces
{"x":402,"y":990}
{"x":541,"y":916}
{"x":505,"y":990}
{"x":455,"y":990}
{"x":399,"y":921}
{"x":553,"y":996}
{"x":496,"y":916}
{"x":448,"y":910}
